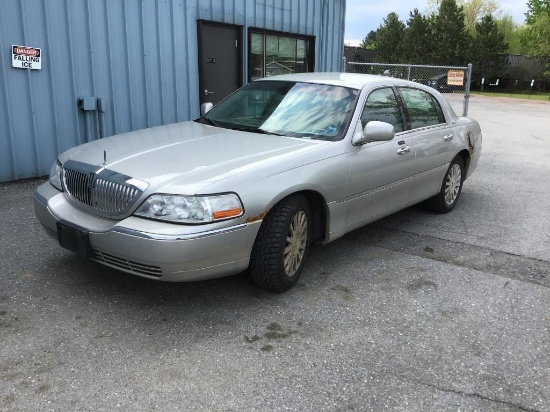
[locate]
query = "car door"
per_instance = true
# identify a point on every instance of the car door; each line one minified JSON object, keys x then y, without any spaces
{"x":379,"y":170}
{"x":433,"y":141}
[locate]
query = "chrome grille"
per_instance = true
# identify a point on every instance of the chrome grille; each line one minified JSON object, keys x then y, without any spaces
{"x":126,"y":265}
{"x":112,"y":197}
{"x":103,"y":191}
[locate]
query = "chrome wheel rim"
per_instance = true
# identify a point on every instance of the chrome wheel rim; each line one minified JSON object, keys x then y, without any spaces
{"x":452,"y":184}
{"x":296,"y":241}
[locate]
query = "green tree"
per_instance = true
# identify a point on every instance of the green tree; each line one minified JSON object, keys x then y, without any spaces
{"x":369,"y":42}
{"x":537,"y":33}
{"x":512,"y":34}
{"x":389,"y":40}
{"x":451,"y":41}
{"x":474,"y":10}
{"x":418,"y":39}
{"x":488,"y":48}
{"x":517,"y":43}
{"x":536,"y":8}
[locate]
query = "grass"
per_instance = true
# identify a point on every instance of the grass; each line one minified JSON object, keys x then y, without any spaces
{"x":545,"y":97}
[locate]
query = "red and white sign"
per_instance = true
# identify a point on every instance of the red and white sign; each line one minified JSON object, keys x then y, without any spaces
{"x":24,"y":57}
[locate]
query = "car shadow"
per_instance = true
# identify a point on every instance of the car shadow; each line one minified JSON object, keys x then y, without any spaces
{"x":114,"y":299}
{"x":81,"y":277}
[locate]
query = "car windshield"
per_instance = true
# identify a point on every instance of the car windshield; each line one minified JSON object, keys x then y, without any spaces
{"x":305,"y":110}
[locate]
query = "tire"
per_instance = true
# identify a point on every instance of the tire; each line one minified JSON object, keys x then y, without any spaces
{"x":448,"y":195}
{"x":282,"y":243}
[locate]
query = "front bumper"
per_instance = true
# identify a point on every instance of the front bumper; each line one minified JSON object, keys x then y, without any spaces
{"x":156,"y":250}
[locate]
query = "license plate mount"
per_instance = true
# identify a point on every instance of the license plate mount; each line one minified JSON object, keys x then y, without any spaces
{"x":74,"y":238}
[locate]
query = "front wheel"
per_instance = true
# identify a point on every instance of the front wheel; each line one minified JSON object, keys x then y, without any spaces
{"x":280,"y":249}
{"x":451,"y":188}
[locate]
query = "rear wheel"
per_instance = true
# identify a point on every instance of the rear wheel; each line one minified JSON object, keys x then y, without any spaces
{"x":451,"y":188}
{"x":281,"y":247}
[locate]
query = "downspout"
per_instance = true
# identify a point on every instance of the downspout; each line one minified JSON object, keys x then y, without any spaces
{"x":324,"y":35}
{"x":343,"y":26}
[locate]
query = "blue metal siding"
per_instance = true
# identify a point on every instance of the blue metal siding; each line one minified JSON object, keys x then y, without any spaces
{"x":139,"y":56}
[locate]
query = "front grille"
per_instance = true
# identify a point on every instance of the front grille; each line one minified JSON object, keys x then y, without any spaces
{"x":126,"y":265}
{"x":104,"y":191}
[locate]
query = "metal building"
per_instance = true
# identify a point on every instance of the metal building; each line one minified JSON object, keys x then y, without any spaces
{"x":73,"y":71}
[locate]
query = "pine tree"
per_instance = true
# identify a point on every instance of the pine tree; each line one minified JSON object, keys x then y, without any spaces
{"x":450,"y":40}
{"x":369,"y":42}
{"x":389,"y":40}
{"x":418,"y":39}
{"x":489,"y":48}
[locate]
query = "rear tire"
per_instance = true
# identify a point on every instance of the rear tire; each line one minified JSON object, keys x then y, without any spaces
{"x":281,"y":247}
{"x":448,"y":195}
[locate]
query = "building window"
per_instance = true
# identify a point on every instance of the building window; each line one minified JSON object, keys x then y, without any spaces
{"x":273,"y":53}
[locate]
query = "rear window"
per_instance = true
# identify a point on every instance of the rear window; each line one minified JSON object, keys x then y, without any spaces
{"x":422,"y":108}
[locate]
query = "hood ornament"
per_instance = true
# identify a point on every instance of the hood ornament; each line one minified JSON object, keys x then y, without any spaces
{"x":104,"y":157}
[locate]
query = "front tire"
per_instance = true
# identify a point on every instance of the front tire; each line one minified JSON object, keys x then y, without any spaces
{"x":281,"y":247}
{"x":448,"y":195}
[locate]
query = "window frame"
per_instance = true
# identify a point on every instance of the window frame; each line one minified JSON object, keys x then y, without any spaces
{"x":405,"y":126}
{"x":310,"y":47}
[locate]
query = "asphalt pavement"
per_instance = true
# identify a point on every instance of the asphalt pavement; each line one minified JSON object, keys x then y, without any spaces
{"x":416,"y":312}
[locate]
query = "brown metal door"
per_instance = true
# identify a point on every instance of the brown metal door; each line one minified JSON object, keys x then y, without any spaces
{"x":220,"y":59}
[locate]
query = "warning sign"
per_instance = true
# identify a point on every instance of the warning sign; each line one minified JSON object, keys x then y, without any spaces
{"x":24,"y":57}
{"x":455,"y":77}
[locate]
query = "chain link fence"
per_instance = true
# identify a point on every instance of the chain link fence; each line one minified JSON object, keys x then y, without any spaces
{"x":452,"y":82}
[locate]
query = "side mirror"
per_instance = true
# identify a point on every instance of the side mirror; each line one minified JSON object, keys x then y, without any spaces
{"x":374,"y":131}
{"x":206,"y":107}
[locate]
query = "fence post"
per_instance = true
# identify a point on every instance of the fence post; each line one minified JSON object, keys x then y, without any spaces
{"x":344,"y":61}
{"x":467,"y":91}
{"x":409,"y":71}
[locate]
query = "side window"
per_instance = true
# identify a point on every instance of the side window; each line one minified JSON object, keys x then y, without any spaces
{"x":382,"y":105}
{"x":423,"y":109}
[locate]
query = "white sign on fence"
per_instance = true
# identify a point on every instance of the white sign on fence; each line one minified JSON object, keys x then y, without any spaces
{"x":24,"y":57}
{"x":455,"y":77}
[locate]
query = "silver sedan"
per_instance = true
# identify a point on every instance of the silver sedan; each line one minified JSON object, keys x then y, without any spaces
{"x":282,"y":162}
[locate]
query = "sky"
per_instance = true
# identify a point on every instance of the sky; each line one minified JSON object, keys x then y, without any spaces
{"x":363,"y":16}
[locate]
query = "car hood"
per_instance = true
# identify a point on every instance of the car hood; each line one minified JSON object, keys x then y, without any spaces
{"x":187,"y":153}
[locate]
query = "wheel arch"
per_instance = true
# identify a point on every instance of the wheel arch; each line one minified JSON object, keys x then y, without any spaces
{"x":319,"y":214}
{"x":465,"y":155}
{"x":318,"y":208}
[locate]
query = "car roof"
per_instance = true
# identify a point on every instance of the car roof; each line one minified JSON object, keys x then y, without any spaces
{"x":358,"y":81}
{"x":352,"y":80}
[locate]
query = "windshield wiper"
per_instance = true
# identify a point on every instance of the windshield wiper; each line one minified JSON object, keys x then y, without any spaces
{"x":262,"y":131}
{"x":210,"y":121}
{"x":255,"y":130}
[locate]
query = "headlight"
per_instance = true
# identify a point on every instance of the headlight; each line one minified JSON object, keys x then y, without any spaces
{"x":55,"y":175}
{"x":191,"y":209}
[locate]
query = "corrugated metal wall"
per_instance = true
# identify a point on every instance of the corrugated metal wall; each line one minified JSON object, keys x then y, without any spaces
{"x":139,"y":56}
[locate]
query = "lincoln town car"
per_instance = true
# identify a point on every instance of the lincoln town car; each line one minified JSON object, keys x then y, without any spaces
{"x":248,"y":186}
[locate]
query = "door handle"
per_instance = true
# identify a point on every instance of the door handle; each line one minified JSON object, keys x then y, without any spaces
{"x":403,"y":150}
{"x":448,"y":137}
{"x":206,"y":92}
